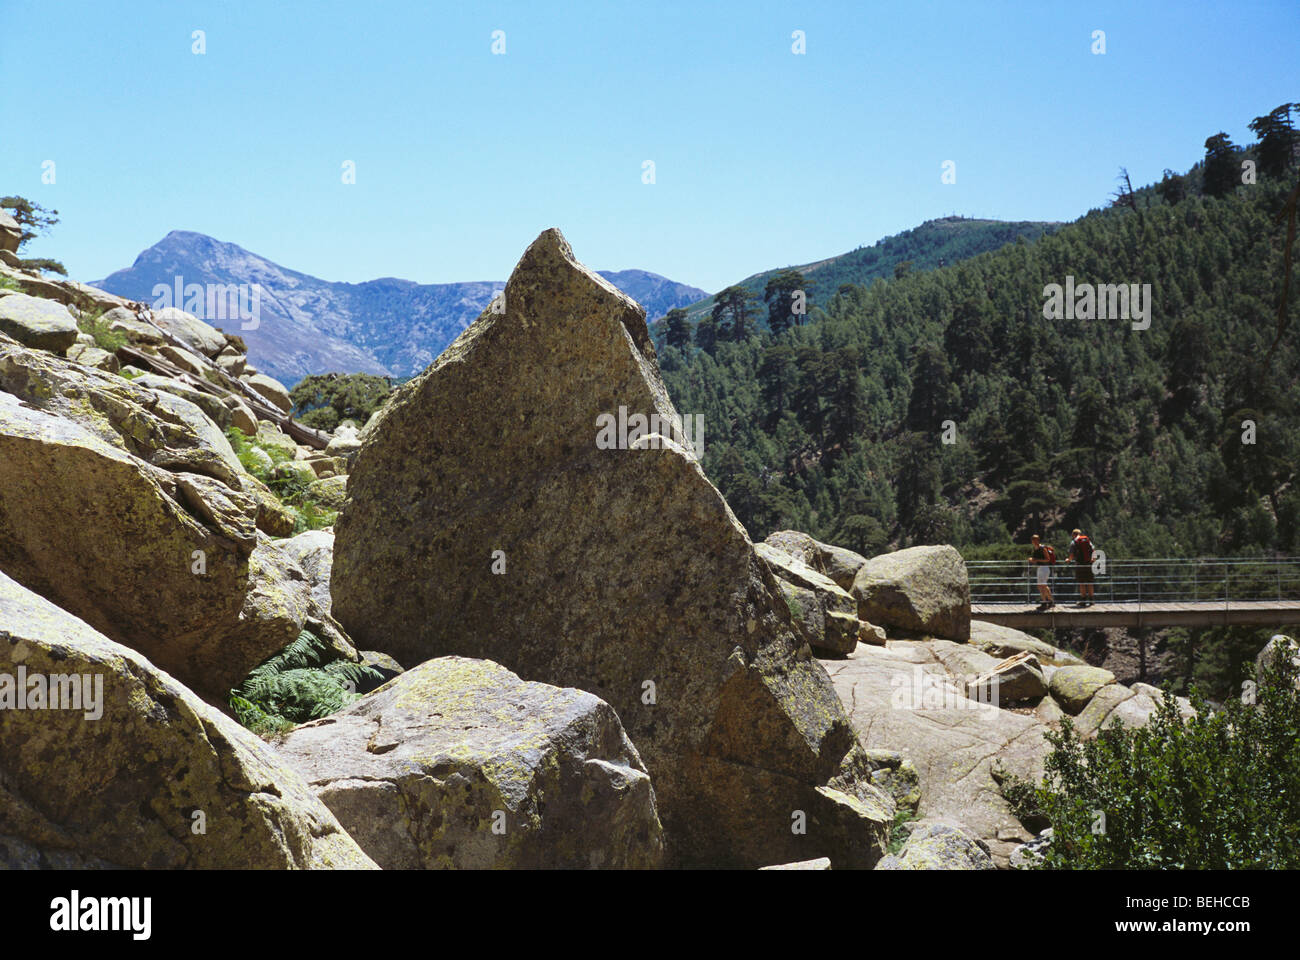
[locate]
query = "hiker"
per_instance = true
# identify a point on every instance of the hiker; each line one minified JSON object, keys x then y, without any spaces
{"x":1081,"y":556}
{"x":1042,"y":558}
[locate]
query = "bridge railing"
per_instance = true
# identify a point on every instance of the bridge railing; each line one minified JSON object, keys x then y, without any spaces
{"x":1144,"y":580}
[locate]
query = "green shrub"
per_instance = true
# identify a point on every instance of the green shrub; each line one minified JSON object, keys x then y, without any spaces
{"x":9,"y":283}
{"x":93,"y":323}
{"x":42,"y":265}
{"x":1218,"y":791}
{"x":347,"y":396}
{"x":794,"y":606}
{"x":291,"y":491}
{"x":304,"y":681}
{"x":312,"y":516}
{"x":898,"y":832}
{"x":322,"y":418}
{"x":244,"y":445}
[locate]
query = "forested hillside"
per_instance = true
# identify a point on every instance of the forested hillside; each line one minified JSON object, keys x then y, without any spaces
{"x":942,"y":407}
{"x":932,"y":244}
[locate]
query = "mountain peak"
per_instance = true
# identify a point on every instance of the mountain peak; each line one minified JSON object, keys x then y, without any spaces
{"x":387,"y":326}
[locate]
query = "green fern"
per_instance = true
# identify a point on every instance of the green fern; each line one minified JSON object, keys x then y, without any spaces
{"x":345,"y":671}
{"x":304,"y":681}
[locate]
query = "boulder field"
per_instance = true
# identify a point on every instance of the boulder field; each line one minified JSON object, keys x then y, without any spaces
{"x":602,"y":670}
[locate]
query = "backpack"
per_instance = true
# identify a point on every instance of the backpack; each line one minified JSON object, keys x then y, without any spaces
{"x":1049,"y":554}
{"x":1082,"y":548}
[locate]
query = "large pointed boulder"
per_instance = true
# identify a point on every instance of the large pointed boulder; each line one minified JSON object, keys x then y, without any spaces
{"x":518,"y":502}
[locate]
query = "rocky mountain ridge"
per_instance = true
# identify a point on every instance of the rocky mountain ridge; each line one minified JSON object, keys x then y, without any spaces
{"x":307,"y":325}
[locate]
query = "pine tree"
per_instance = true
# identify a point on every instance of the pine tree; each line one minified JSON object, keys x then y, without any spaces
{"x":1277,"y":140}
{"x":933,"y":399}
{"x":847,"y":416}
{"x":1222,"y":172}
{"x":1172,"y":188}
{"x":733,"y":312}
{"x":778,"y":378}
{"x":706,"y":334}
{"x":677,"y":329}
{"x":34,"y":220}
{"x":780,"y":295}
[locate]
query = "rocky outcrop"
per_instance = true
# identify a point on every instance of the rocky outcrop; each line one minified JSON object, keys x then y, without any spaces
{"x":125,"y":506}
{"x":930,"y":703}
{"x":272,"y":437}
{"x":897,"y":776}
{"x":211,"y":405}
{"x":838,"y":564}
{"x":458,"y":763}
{"x":383,"y":664}
{"x":922,"y":590}
{"x":1111,"y":704}
{"x":313,"y":552}
{"x":1277,"y":647}
{"x":962,"y":661}
{"x":620,"y":570}
{"x":11,"y":233}
{"x":329,"y":492}
{"x":70,"y":293}
{"x":195,"y":333}
{"x":272,"y":390}
{"x":345,"y":443}
{"x":1028,"y":854}
{"x":297,"y":470}
{"x":902,"y":698}
{"x":939,"y":846}
{"x":1073,"y":687}
{"x":826,"y":614}
{"x":1013,"y":680}
{"x":1184,"y":705}
{"x":132,"y":770}
{"x":159,"y":427}
{"x":92,"y":356}
{"x":124,"y":320}
{"x":1003,"y":642}
{"x":242,"y":416}
{"x":40,"y":324}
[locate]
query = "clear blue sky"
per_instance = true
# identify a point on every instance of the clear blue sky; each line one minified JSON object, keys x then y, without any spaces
{"x":763,"y":158}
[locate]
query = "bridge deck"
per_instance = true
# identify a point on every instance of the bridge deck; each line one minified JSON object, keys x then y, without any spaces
{"x":1253,"y":613}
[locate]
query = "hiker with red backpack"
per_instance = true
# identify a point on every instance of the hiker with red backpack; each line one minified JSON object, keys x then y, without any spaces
{"x":1042,"y":558}
{"x":1081,"y":553}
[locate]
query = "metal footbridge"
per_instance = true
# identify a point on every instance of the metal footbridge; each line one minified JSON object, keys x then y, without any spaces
{"x":1160,"y":592}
